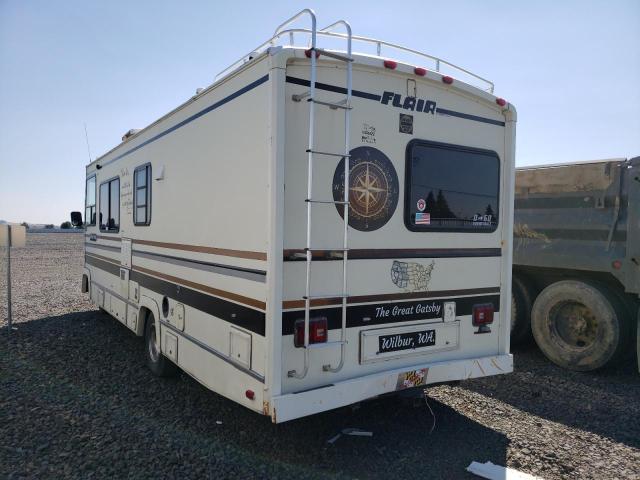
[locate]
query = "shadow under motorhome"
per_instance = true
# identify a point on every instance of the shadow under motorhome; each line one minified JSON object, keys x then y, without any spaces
{"x":223,"y":234}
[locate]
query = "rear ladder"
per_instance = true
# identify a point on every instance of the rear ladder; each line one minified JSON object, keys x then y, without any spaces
{"x":311,"y":151}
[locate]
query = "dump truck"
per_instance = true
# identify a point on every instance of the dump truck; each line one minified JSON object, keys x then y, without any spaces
{"x":576,"y":263}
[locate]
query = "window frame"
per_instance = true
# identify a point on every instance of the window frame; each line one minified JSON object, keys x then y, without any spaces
{"x":95,"y":201}
{"x":407,"y":187}
{"x":147,"y":205}
{"x":109,"y":230}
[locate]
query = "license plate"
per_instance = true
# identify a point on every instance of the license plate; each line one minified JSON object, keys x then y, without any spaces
{"x":406,"y":341}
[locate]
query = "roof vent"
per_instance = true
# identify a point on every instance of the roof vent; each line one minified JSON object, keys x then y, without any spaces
{"x":130,"y":133}
{"x":199,"y":90}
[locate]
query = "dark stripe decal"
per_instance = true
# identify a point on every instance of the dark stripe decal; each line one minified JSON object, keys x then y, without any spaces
{"x":468,"y":116}
{"x":377,"y":98}
{"x":370,"y":315}
{"x":287,"y":304}
{"x":394,"y":253}
{"x":333,"y":88}
{"x":225,"y":252}
{"x":228,"y":311}
{"x":210,"y":108}
{"x":112,"y":268}
{"x":230,"y":270}
{"x":234,"y":313}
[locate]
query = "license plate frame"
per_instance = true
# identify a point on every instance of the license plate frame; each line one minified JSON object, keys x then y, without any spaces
{"x":447,"y":337}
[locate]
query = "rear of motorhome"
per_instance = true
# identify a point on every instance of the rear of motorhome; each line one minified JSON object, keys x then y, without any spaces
{"x":223,"y":233}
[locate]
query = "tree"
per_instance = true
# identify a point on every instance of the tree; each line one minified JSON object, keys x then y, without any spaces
{"x":489,"y":211}
{"x":442,"y":207}
{"x":65,"y":225}
{"x":49,"y":225}
{"x":25,"y":225}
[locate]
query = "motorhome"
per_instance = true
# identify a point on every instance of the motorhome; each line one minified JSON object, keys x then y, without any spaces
{"x":318,"y":227}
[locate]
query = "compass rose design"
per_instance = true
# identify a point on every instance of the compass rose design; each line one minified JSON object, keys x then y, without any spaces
{"x":373,"y":188}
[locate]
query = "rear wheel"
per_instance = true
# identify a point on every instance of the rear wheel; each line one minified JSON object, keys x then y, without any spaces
{"x":579,"y":326}
{"x":156,"y":361}
{"x":520,"y":311}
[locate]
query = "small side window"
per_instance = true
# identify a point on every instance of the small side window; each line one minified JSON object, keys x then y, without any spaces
{"x":109,"y":206}
{"x":90,"y":202}
{"x":142,"y":195}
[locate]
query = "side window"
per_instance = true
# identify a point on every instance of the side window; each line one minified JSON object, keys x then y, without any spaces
{"x":110,"y":205}
{"x":90,"y":202}
{"x":142,"y":197}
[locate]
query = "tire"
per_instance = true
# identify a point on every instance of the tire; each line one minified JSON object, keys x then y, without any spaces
{"x":520,"y":311}
{"x":156,"y":361}
{"x":579,"y":326}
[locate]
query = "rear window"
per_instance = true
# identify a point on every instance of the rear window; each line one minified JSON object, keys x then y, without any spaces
{"x":451,"y":188}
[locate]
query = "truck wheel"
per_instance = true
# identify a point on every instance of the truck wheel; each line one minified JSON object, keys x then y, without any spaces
{"x":520,"y":311}
{"x":578,"y":326}
{"x":156,"y":361}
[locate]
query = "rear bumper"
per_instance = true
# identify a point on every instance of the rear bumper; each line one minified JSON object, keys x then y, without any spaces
{"x":296,"y":405}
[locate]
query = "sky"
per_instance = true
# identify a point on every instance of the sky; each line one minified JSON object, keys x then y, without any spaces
{"x":571,"y":68}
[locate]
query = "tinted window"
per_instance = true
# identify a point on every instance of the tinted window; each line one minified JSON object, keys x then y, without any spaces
{"x":451,"y":188}
{"x":90,"y":201}
{"x":110,"y":205}
{"x":142,"y":197}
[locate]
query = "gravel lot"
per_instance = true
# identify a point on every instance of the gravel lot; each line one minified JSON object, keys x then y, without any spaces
{"x":77,"y":401}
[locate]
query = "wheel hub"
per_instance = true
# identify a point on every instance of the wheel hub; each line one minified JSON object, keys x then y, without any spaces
{"x":574,"y":323}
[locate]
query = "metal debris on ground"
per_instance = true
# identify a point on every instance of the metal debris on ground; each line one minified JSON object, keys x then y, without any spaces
{"x":351,"y":431}
{"x":498,"y":472}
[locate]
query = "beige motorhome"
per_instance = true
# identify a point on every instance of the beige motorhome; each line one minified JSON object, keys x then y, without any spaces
{"x":223,"y":232}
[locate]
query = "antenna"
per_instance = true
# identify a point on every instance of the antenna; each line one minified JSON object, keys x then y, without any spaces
{"x":86,"y":136}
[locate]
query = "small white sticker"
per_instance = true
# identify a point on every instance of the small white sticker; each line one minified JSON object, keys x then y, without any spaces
{"x":421,"y":205}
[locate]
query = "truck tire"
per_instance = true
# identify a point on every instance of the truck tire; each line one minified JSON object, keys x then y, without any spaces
{"x":156,"y":361}
{"x":520,"y":311}
{"x":579,"y":326}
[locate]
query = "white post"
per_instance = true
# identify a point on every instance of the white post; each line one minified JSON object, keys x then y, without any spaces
{"x":9,"y":319}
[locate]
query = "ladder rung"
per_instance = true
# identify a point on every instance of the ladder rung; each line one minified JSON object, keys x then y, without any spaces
{"x":341,"y":249}
{"x":344,"y":106}
{"x":311,"y":200}
{"x":326,"y":344}
{"x":334,"y":55}
{"x":328,"y":153}
{"x":320,"y":297}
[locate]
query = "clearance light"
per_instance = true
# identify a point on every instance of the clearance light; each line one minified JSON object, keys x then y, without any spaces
{"x":390,"y":64}
{"x":420,"y":71}
{"x":617,"y":264}
{"x":249,"y":394}
{"x":308,"y":53}
{"x":318,"y":330}
{"x":501,"y":101}
{"x":447,"y":79}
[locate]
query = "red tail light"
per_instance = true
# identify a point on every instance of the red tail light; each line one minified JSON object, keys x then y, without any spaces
{"x":501,"y":101}
{"x":390,"y":64}
{"x":447,"y":79}
{"x":482,"y":314}
{"x":318,"y":331}
{"x":420,"y":71}
{"x":250,"y":394}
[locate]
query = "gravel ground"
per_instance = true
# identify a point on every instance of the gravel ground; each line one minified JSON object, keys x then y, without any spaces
{"x":77,"y":401}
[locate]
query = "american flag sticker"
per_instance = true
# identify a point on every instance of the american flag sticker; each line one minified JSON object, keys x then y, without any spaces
{"x":423,"y":218}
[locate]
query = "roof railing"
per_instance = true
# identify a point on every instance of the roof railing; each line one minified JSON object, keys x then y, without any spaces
{"x":437,"y":63}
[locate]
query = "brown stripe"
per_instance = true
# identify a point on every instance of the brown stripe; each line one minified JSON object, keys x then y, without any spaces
{"x":202,"y":249}
{"x":213,"y":291}
{"x":106,"y":259}
{"x":104,"y":237}
{"x":288,"y":304}
{"x":395,"y":253}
